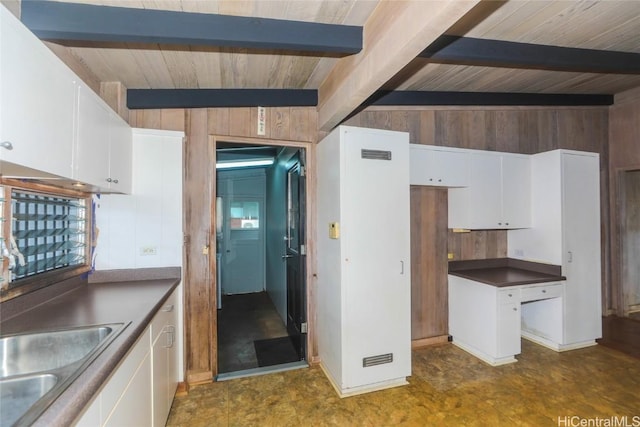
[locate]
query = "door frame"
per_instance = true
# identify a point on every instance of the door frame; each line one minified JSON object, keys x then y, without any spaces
{"x":310,"y":228}
{"x":618,"y":219}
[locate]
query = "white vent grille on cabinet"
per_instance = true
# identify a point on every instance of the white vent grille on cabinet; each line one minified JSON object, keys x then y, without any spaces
{"x":377,"y":360}
{"x":375,"y":154}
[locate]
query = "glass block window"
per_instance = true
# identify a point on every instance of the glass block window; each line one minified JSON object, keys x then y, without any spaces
{"x":48,"y":232}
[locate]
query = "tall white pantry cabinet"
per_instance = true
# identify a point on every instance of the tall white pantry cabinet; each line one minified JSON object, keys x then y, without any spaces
{"x":565,"y":188}
{"x":364,"y":290}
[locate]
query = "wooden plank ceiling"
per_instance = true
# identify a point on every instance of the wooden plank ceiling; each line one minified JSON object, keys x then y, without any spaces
{"x":612,"y":25}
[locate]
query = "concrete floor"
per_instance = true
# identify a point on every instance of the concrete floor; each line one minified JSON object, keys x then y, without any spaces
{"x":447,"y":387}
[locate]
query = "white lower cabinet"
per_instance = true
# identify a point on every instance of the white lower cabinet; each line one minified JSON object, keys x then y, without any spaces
{"x":135,"y":405}
{"x":488,"y":321}
{"x":508,"y":329}
{"x":140,"y":391}
{"x":165,"y":368}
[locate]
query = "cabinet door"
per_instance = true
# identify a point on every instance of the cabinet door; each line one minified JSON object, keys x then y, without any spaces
{"x":508,"y":330}
{"x":135,"y":406}
{"x":581,"y":244}
{"x":160,"y":380}
{"x":451,"y":168}
{"x":375,"y":235}
{"x":37,"y":104}
{"x":485,"y":198}
{"x":437,"y":167}
{"x":516,"y":191}
{"x":173,"y":358}
{"x":91,"y":416}
{"x":92,"y":147}
{"x":120,"y":154}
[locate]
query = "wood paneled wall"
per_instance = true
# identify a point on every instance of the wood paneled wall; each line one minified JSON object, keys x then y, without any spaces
{"x":517,"y":130}
{"x":283,"y":124}
{"x":624,"y":155}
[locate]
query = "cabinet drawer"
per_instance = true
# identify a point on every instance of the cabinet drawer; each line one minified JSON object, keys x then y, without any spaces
{"x":542,"y":292}
{"x":164,"y":316}
{"x":508,"y":296}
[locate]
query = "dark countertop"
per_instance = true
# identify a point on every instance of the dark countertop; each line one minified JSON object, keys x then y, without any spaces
{"x":503,"y":272}
{"x":91,"y":304}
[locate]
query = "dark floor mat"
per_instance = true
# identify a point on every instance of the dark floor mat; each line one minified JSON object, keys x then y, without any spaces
{"x":275,"y":351}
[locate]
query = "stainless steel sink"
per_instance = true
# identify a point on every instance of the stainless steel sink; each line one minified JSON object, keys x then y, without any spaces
{"x":17,"y":395}
{"x":28,"y":353}
{"x":35,"y":368}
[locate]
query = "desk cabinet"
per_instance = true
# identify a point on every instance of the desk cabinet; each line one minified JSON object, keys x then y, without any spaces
{"x":566,"y":214}
{"x":488,"y":321}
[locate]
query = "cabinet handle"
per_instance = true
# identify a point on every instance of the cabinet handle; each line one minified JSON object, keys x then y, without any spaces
{"x":171,"y":330}
{"x":515,"y":308}
{"x":108,"y":179}
{"x":440,"y":180}
{"x":499,"y":223}
{"x":506,"y":223}
{"x":7,"y":145}
{"x":168,"y":308}
{"x":544,"y":291}
{"x":115,"y":181}
{"x":401,"y":267}
{"x":510,"y":295}
{"x":570,"y":258}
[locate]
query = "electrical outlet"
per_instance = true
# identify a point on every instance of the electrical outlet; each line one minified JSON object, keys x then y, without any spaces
{"x":450,"y":256}
{"x":148,"y":250}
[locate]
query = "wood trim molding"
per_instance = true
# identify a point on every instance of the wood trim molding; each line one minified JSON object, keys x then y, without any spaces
{"x":310,"y":232}
{"x":425,"y":342}
{"x":199,"y":377}
{"x":395,"y":33}
{"x":629,"y":96}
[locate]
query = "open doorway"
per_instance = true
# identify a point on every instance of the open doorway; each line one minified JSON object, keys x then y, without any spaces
{"x":261,"y":258}
{"x":630,"y":242}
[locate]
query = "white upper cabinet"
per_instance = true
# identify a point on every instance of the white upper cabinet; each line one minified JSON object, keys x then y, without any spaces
{"x":103,"y":147}
{"x":37,"y":105}
{"x":498,"y":195}
{"x":52,"y":125}
{"x":438,"y":166}
{"x":516,"y":191}
{"x":92,"y":146}
{"x":120,"y":154}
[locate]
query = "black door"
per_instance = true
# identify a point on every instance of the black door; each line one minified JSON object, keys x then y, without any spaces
{"x":295,"y":256}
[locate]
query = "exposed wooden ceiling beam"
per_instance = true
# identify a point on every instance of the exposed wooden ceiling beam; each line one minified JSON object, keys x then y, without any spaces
{"x":395,"y":33}
{"x":72,"y":22}
{"x":212,"y":98}
{"x":498,"y":53}
{"x":405,"y":98}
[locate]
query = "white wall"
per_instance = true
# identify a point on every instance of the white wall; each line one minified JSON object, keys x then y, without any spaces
{"x":144,"y":229}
